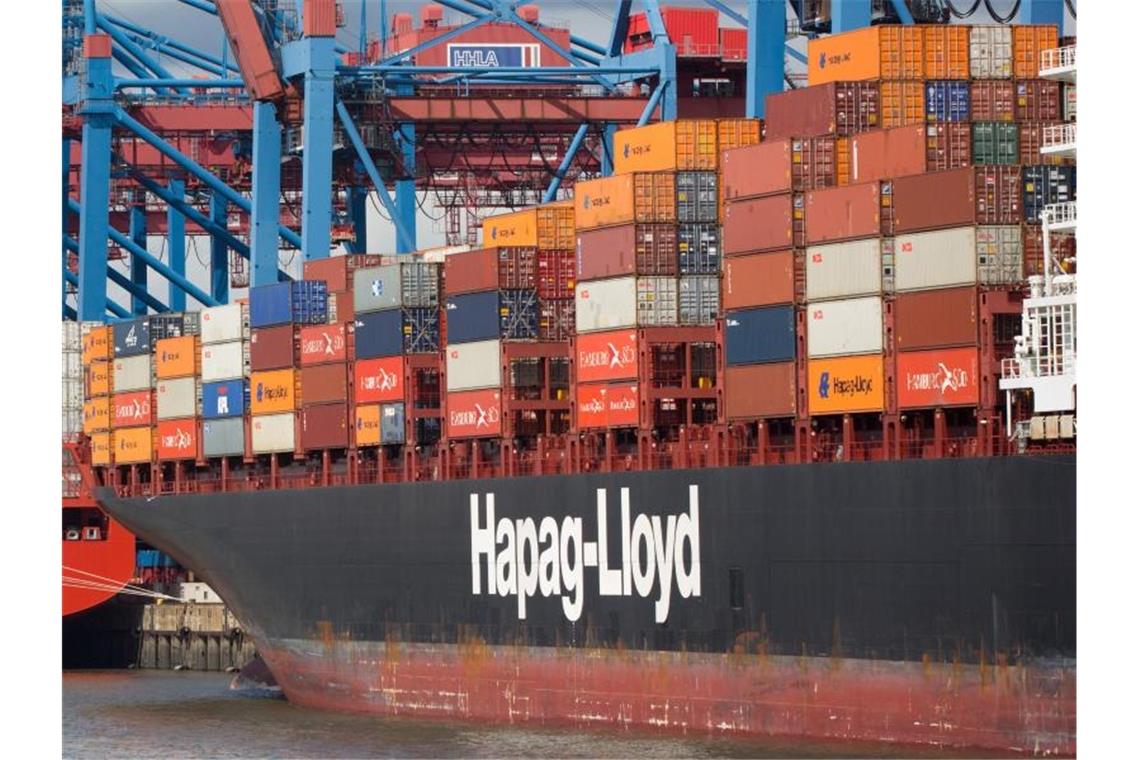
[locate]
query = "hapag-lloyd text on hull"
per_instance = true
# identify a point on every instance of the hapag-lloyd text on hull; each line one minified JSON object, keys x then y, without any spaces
{"x":521,"y":558}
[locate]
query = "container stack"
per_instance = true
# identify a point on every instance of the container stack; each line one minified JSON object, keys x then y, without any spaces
{"x":97,"y":353}
{"x":133,"y":386}
{"x":339,"y":274}
{"x":225,"y":372}
{"x":72,"y":385}
{"x":178,"y":397}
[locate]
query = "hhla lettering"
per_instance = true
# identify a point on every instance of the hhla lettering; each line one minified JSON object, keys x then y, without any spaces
{"x":522,"y":559}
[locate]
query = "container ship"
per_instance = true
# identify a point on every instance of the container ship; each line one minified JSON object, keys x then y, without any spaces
{"x":718,"y":444}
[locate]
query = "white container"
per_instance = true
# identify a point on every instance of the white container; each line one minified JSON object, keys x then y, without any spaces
{"x":844,"y":270}
{"x":225,"y":323}
{"x":605,"y":304}
{"x":179,"y":398}
{"x":274,"y":432}
{"x":698,"y":298}
{"x":131,"y":374}
{"x":71,"y":339}
{"x":1001,"y":254}
{"x":225,"y":361}
{"x":844,"y":328}
{"x":939,"y":259}
{"x":471,"y":366}
{"x":657,"y":301}
{"x":991,"y":52}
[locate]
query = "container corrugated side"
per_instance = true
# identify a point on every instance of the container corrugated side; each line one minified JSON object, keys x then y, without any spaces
{"x":413,"y":284}
{"x":96,"y":414}
{"x":902,"y":103}
{"x":178,"y":398}
{"x":698,"y":299}
{"x":471,"y":366}
{"x":605,"y":304}
{"x":1029,"y":40}
{"x":474,"y":414}
{"x":946,"y":377}
{"x":225,"y":398}
{"x":222,"y":324}
{"x":936,"y":319}
{"x":760,"y":336}
{"x":939,"y":259}
{"x":757,"y":391}
{"x":845,"y":328}
{"x":844,"y":270}
{"x":324,"y":426}
{"x":324,"y":383}
{"x":132,"y":373}
{"x":274,"y":433}
{"x":886,"y":153}
{"x":176,"y":439}
{"x":366,"y":429}
{"x":273,"y":391}
{"x":946,"y":49}
{"x":845,"y":385}
{"x":223,"y":437}
{"x":759,"y":279}
{"x":132,"y":445}
{"x":1001,"y":254}
{"x":605,"y":405}
{"x":225,"y":361}
{"x":991,"y":52}
{"x":131,"y":338}
{"x":657,"y":301}
{"x":842,"y":213}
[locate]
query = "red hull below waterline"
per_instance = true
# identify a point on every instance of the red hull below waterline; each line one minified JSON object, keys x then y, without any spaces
{"x":1028,"y":709}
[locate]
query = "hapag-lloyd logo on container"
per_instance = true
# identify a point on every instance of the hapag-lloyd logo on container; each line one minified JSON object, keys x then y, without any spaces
{"x":523,"y":558}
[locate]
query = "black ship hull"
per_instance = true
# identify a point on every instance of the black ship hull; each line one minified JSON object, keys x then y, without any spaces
{"x":916,"y":601}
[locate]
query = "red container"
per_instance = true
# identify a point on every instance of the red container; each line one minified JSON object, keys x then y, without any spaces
{"x":763,"y":224}
{"x":133,"y":409}
{"x":377,"y":381}
{"x":475,"y":271}
{"x":474,"y":414}
{"x":322,"y":344}
{"x":998,"y":191}
{"x":517,"y":268}
{"x":176,"y":439}
{"x":760,"y":279}
{"x":555,"y":320}
{"x":606,"y":356}
{"x":821,"y":162}
{"x":337,"y":271}
{"x":324,"y":426}
{"x":324,"y":383}
{"x":643,"y":249}
{"x":345,"y":304}
{"x":936,"y":319}
{"x":948,"y":145}
{"x":319,"y":19}
{"x":756,"y":391}
{"x":991,"y":100}
{"x":838,"y":108}
{"x":1037,"y":100}
{"x":946,"y":377}
{"x":1062,"y":247}
{"x":556,"y":275}
{"x":1030,"y":135}
{"x":842,"y":213}
{"x":605,"y":405}
{"x":271,"y":348}
{"x":887,"y":153}
{"x":757,"y":170}
{"x":957,"y":198}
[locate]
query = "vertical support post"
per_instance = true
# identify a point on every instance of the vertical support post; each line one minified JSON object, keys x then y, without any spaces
{"x":264,"y":213}
{"x":845,"y":16}
{"x":609,"y":131}
{"x":668,"y":53}
{"x":1043,"y":12}
{"x":176,"y":243}
{"x":358,"y":213}
{"x":65,"y":215}
{"x":765,"y":67}
{"x":96,"y":108}
{"x":219,"y":253}
{"x":138,"y":266}
{"x":316,"y":161}
{"x":406,"y":188}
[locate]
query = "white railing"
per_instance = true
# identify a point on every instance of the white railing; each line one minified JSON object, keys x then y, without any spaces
{"x":1059,"y":58}
{"x":1038,"y":366}
{"x":1060,"y":214}
{"x":1059,"y":135}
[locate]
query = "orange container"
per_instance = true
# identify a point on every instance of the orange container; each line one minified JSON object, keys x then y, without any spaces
{"x":737,"y":133}
{"x":273,"y":391}
{"x":846,"y":384}
{"x":902,"y":103}
{"x":176,"y":357}
{"x":98,"y":378}
{"x":1028,"y":42}
{"x":606,"y":405}
{"x":101,"y":449}
{"x":937,"y":378}
{"x":97,"y":414}
{"x":367,"y":425}
{"x":97,"y":344}
{"x":610,"y":201}
{"x":686,"y":145}
{"x":876,"y":52}
{"x":549,"y":227}
{"x":176,"y":439}
{"x":946,"y":51}
{"x":131,"y":445}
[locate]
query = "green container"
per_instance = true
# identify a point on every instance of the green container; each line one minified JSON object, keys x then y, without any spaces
{"x":995,"y":142}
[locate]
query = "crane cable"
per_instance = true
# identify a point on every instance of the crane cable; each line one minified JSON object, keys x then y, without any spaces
{"x":1072,"y":8}
{"x":1003,"y":19}
{"x":961,"y":14}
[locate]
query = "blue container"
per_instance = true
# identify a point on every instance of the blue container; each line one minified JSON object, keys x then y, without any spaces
{"x":131,"y":338}
{"x":518,"y":314}
{"x":392,"y":424}
{"x":947,"y":100}
{"x":421,"y":330}
{"x":1043,"y":185}
{"x":492,"y":314}
{"x":760,"y":336}
{"x":380,"y":334}
{"x":304,"y":302}
{"x":228,"y":398}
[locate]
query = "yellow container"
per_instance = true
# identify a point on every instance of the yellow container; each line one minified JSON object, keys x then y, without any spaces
{"x":97,"y":414}
{"x":846,"y":384}
{"x":131,"y":445}
{"x":736,"y":133}
{"x":368,"y":425}
{"x":176,"y":357}
{"x":98,"y":377}
{"x":273,"y":391}
{"x":687,"y":145}
{"x":893,"y":51}
{"x":101,"y":449}
{"x":946,"y":51}
{"x":549,"y":227}
{"x":97,"y":344}
{"x":902,"y":103}
{"x":1028,"y":42}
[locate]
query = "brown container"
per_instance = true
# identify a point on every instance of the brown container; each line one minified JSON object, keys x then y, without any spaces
{"x":471,"y":271}
{"x":821,"y":162}
{"x":760,"y":279}
{"x":324,"y":426}
{"x":643,"y":249}
{"x":1062,"y":247}
{"x":997,"y":190}
{"x":838,"y":108}
{"x":938,"y":199}
{"x":842,"y":213}
{"x":763,"y":224}
{"x":1037,"y":100}
{"x":324,"y":383}
{"x":757,"y":170}
{"x":756,"y":391}
{"x":555,"y":320}
{"x":518,"y":268}
{"x":887,"y":153}
{"x":271,"y":348}
{"x":991,"y":100}
{"x":902,"y":103}
{"x":948,"y":145}
{"x":1030,"y":135}
{"x":936,"y":319}
{"x":345,"y":306}
{"x":337,"y":271}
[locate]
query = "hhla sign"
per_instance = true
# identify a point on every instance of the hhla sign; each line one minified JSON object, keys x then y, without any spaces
{"x":522,"y":557}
